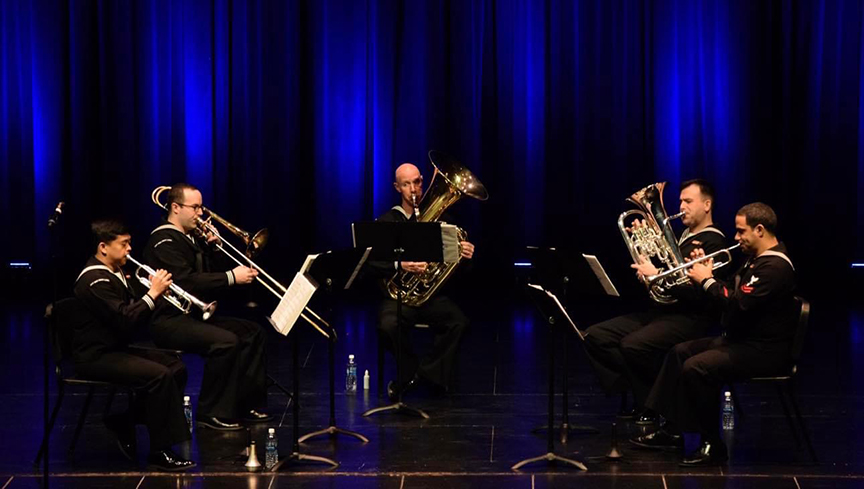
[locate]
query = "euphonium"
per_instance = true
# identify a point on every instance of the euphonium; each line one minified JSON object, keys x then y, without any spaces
{"x":450,"y":182}
{"x":655,"y":240}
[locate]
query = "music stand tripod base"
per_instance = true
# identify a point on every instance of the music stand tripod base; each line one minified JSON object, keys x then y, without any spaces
{"x":333,"y":431}
{"x":301,"y":457}
{"x":550,"y":457}
{"x":399,"y":407}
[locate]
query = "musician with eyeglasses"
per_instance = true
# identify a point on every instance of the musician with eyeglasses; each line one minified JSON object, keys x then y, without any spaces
{"x":759,"y":323}
{"x":233,"y":389}
{"x":101,"y":352}
{"x":440,"y":312}
{"x":627,"y":351}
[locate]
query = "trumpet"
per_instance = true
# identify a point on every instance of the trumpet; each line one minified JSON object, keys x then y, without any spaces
{"x":255,"y":243}
{"x":681,"y":269}
{"x":176,"y":295}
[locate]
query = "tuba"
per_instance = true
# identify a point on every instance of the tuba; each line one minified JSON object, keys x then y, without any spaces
{"x":655,"y":240}
{"x":450,"y":182}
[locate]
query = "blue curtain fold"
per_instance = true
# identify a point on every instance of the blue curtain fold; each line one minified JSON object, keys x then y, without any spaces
{"x":293,"y":115}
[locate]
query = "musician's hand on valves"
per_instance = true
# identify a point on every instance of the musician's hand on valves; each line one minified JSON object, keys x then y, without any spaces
{"x":467,"y":250}
{"x":644,"y":268}
{"x":702,"y":270}
{"x":159,"y":283}
{"x":414,"y":266}
{"x":244,"y":275}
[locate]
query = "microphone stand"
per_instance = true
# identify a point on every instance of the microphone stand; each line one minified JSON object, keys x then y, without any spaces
{"x":46,"y":337}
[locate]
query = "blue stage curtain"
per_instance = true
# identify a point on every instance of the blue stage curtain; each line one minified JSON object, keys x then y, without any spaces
{"x":293,"y":115}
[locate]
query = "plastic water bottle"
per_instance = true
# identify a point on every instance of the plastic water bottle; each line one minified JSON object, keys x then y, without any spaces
{"x":366,"y":381}
{"x":728,"y":412}
{"x":271,"y":456}
{"x":351,"y":376}
{"x":187,"y":410}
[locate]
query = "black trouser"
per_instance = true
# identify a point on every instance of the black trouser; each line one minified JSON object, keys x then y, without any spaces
{"x":687,"y":391}
{"x":448,"y":322}
{"x":235,"y":376}
{"x":158,"y":379}
{"x":628,"y":351}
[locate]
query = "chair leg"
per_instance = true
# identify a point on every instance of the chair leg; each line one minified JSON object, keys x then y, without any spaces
{"x":51,"y":421}
{"x":111,"y":401}
{"x":81,"y":418}
{"x":804,"y":431}
{"x":792,"y":427}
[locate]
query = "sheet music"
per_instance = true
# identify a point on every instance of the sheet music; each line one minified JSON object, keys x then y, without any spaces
{"x":450,"y":241}
{"x":308,"y":263}
{"x":597,"y":268}
{"x":293,"y":301}
{"x":560,"y":309}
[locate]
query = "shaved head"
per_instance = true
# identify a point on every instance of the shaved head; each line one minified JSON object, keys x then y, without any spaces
{"x":406,"y":171}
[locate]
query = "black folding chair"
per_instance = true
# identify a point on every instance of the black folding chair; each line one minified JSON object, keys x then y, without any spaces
{"x":785,"y":384}
{"x":66,"y":315}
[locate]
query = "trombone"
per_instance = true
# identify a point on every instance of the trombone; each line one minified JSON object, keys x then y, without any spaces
{"x":653,"y":279}
{"x":177,"y":296}
{"x":254,"y":244}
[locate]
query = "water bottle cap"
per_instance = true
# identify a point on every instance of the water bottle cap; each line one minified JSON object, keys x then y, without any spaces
{"x":367,"y":373}
{"x":728,"y":394}
{"x":271,"y":430}
{"x":350,"y":357}
{"x":186,"y":398}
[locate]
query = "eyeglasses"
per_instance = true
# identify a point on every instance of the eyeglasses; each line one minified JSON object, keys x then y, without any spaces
{"x":195,"y":207}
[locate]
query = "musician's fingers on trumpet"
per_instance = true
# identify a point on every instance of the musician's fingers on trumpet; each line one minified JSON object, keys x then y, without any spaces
{"x":701,"y":270}
{"x":159,"y":283}
{"x":467,"y":249}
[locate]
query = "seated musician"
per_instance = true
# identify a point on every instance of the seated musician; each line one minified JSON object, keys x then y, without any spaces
{"x":627,"y":351}
{"x":100,"y":349}
{"x":234,"y":388}
{"x":759,"y":321}
{"x":442,"y":315}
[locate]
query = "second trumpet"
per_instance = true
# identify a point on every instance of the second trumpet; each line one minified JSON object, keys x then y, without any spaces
{"x":176,"y":295}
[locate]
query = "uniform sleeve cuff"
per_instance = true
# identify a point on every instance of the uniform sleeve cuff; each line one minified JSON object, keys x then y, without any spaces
{"x":708,"y":282}
{"x":230,"y":274}
{"x":149,"y":301}
{"x":396,"y":265}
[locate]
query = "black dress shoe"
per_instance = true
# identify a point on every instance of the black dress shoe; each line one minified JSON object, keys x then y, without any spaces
{"x":660,"y":439}
{"x":215,"y":423}
{"x":709,"y":453}
{"x":169,"y":461}
{"x":254,"y":416}
{"x":124,"y":432}
{"x":647,"y":418}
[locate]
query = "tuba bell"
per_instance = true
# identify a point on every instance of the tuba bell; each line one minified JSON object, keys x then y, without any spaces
{"x":450,"y":182}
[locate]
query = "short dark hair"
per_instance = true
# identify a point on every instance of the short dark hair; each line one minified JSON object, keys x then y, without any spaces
{"x":758,"y":213}
{"x":176,"y":194}
{"x":705,"y":188}
{"x":106,"y":231}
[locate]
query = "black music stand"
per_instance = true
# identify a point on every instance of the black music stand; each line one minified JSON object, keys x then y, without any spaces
{"x":296,"y":456}
{"x":336,"y":271}
{"x":552,"y":271}
{"x":395,"y":242}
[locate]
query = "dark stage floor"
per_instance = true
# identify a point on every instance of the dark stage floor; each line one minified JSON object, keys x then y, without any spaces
{"x":474,"y":435}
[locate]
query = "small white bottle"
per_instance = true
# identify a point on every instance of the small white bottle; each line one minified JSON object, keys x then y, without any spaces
{"x":271,"y":455}
{"x":187,"y":411}
{"x":728,"y":412}
{"x":351,"y":376}
{"x":366,"y":381}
